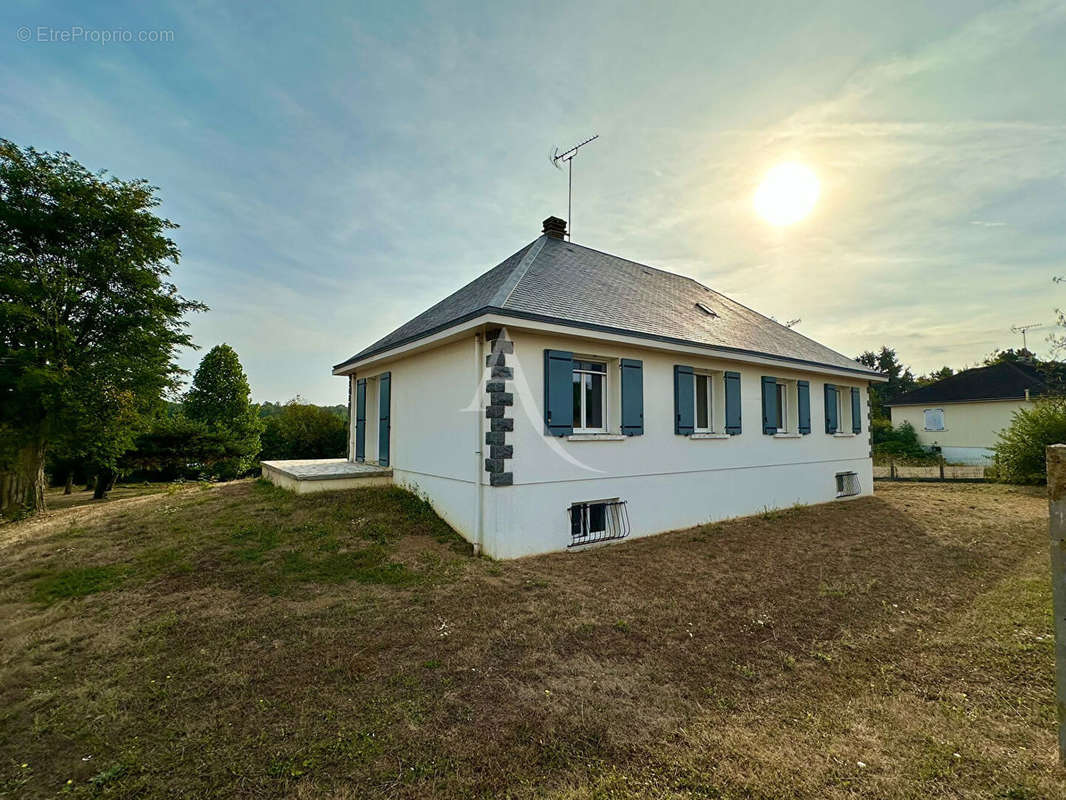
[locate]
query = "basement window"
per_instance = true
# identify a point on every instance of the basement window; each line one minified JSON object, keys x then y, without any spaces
{"x":847,"y":484}
{"x":598,"y":521}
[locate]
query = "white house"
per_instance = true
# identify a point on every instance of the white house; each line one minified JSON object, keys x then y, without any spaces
{"x":961,"y":416}
{"x":568,"y":396}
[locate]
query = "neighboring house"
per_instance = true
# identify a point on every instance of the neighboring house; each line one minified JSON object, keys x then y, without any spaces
{"x":963,"y":415}
{"x":568,"y":396}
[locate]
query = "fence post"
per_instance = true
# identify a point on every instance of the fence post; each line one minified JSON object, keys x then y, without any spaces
{"x":892,"y":469}
{"x":1056,"y":488}
{"x":942,"y":468}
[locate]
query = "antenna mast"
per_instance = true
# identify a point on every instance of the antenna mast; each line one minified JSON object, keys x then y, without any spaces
{"x":568,"y":157}
{"x":1022,"y":329}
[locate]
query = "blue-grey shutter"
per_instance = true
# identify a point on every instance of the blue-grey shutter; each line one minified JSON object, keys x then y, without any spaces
{"x":360,"y":419}
{"x":558,"y":392}
{"x":632,"y":397}
{"x":684,"y":400}
{"x":856,"y":412}
{"x":803,"y":405}
{"x":769,"y":405}
{"x":732,"y":403}
{"x":384,"y":425}
{"x":830,"y":408}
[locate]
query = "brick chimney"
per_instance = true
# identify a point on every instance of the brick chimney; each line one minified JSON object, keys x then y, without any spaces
{"x":555,"y":227}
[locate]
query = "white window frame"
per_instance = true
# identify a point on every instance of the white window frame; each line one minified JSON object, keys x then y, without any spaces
{"x":782,"y":405}
{"x":843,"y":409}
{"x":925,"y":420}
{"x":711,"y":396}
{"x":579,"y":424}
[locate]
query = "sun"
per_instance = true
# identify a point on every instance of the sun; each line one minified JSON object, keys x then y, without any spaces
{"x":787,"y":194}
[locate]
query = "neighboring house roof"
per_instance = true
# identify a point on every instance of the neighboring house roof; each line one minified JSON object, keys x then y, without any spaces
{"x":1007,"y":380}
{"x":557,"y":281}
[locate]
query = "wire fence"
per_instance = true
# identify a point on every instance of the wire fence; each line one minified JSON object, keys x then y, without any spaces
{"x":893,"y":471}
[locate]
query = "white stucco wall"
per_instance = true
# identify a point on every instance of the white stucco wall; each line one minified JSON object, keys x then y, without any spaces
{"x":668,"y":481}
{"x":970,"y":429}
{"x":432,"y":434}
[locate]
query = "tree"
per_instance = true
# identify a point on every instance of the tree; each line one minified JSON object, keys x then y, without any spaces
{"x":221,"y":399}
{"x":1009,"y":355}
{"x":89,"y":323}
{"x":900,"y":379}
{"x":176,"y":446}
{"x":935,"y":375}
{"x":300,"y":430}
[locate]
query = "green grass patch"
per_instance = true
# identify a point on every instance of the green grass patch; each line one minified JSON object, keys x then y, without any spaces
{"x":362,"y":566}
{"x":78,"y":582}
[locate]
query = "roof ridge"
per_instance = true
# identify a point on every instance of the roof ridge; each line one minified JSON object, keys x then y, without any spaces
{"x":1030,"y":373}
{"x":503,"y":294}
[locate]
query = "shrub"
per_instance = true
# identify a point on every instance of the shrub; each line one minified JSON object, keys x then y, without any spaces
{"x":1020,"y":451}
{"x":301,"y":430}
{"x":900,"y":442}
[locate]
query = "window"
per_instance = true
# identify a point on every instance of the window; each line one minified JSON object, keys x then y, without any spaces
{"x":934,"y":419}
{"x":590,"y":396}
{"x":782,"y":407}
{"x":704,"y":389}
{"x":598,"y":521}
{"x":843,"y":410}
{"x":847,"y":484}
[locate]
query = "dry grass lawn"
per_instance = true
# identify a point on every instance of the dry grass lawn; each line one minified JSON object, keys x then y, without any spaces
{"x":241,"y":642}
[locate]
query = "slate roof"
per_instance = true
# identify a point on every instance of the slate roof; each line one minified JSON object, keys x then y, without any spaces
{"x":557,"y":281}
{"x":1007,"y":380}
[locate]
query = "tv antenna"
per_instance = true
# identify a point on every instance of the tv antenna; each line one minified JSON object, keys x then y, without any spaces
{"x":1022,"y":329}
{"x":568,"y":157}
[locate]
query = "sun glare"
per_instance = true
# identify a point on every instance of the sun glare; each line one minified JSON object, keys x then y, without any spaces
{"x":787,"y":194}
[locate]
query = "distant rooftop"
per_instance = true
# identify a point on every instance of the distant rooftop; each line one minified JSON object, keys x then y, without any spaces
{"x":1007,"y":380}
{"x":556,"y":281}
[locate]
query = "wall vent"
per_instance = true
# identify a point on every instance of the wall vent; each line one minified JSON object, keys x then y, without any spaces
{"x":847,"y":484}
{"x":597,"y":521}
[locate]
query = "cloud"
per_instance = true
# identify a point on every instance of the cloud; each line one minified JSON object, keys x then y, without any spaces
{"x":335,"y":173}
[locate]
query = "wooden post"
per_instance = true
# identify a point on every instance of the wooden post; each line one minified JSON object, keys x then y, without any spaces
{"x":942,"y":468}
{"x":1056,"y":489}
{"x":892,"y":469}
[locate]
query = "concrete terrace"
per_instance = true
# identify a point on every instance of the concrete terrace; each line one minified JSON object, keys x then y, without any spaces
{"x":324,"y":474}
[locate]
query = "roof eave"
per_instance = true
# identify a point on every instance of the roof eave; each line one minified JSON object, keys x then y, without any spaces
{"x":370,"y":356}
{"x":967,"y":400}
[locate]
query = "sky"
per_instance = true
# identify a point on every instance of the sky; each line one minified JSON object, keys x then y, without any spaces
{"x":338,"y":167}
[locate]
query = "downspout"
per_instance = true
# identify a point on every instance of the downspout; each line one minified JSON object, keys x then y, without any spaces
{"x":479,"y":437}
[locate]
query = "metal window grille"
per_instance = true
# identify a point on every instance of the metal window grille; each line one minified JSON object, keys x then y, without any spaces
{"x":598,"y":522}
{"x":847,"y":484}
